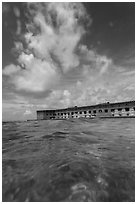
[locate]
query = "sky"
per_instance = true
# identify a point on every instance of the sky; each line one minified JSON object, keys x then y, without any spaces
{"x":59,"y":55}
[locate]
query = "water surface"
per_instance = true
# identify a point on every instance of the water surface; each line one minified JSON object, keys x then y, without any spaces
{"x":69,"y":160}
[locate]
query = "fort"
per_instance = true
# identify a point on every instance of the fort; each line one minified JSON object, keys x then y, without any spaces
{"x":103,"y":110}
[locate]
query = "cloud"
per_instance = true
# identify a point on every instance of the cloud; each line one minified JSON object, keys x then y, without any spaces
{"x":10,"y":69}
{"x":95,"y":88}
{"x":103,"y":63}
{"x":55,"y":69}
{"x":52,"y":49}
{"x":27,"y":112}
{"x":37,"y":76}
{"x":16,"y":11}
{"x":18,"y":31}
{"x":60,"y":33}
{"x":95,"y":61}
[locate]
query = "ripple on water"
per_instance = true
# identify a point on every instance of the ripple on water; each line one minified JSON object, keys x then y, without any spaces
{"x":78,"y":160}
{"x":53,"y":136}
{"x":80,"y":192}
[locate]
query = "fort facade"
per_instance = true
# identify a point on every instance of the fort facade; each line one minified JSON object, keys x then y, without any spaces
{"x":104,"y":110}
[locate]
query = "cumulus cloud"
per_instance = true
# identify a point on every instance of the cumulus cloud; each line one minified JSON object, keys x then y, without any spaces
{"x":95,"y":88}
{"x":11,"y":69}
{"x":53,"y":33}
{"x":54,"y":59}
{"x":95,"y":61}
{"x":61,"y":31}
{"x":37,"y":76}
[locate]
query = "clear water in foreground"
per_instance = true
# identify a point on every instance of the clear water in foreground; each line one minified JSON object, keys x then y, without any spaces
{"x":69,"y":160}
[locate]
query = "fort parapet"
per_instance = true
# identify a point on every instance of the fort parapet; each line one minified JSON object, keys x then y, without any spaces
{"x":104,"y":110}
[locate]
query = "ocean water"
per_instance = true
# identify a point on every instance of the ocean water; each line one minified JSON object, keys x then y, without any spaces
{"x":69,"y":160}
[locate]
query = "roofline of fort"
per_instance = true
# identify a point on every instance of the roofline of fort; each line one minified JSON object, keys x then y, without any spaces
{"x":101,"y":105}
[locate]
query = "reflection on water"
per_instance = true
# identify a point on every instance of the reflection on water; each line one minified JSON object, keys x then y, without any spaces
{"x":69,"y":160}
